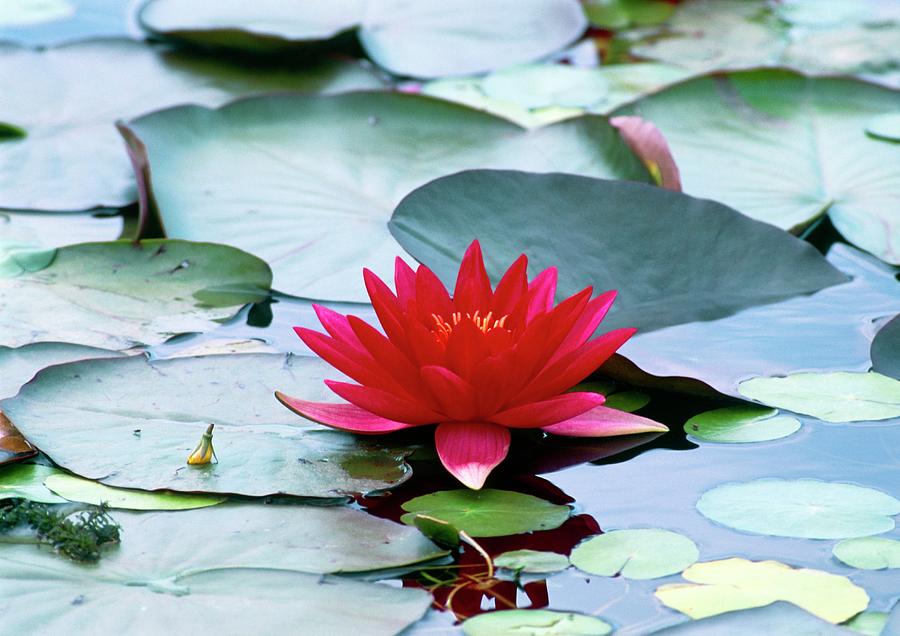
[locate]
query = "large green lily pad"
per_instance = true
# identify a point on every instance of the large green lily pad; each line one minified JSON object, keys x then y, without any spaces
{"x":459,"y":37}
{"x":488,"y":512}
{"x":139,"y":420}
{"x":804,"y":508}
{"x":833,"y":397}
{"x":779,"y":617}
{"x":673,"y":258}
{"x":640,"y":553}
{"x":18,"y":365}
{"x":243,"y":568}
{"x":535,"y":623}
{"x":741,"y":424}
{"x":309,"y":183}
{"x":735,"y":584}
{"x":420,"y":39}
{"x":120,"y":294}
{"x":886,"y":349}
{"x":71,"y":157}
{"x":869,"y":553}
{"x":786,"y":149}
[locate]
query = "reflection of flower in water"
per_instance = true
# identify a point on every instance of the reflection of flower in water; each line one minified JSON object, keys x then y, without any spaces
{"x":468,"y":586}
{"x":477,"y":364}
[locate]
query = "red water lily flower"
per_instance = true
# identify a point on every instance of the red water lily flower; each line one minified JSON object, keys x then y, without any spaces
{"x":476,"y":364}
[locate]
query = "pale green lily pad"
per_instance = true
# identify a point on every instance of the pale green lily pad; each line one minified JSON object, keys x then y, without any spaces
{"x":119,"y":294}
{"x":519,"y":622}
{"x":543,"y":85}
{"x":833,"y":397}
{"x":245,"y":568}
{"x":26,"y":481}
{"x":92,"y":492}
{"x":618,"y":14}
{"x":869,"y":553}
{"x":628,"y":401}
{"x":141,"y":419}
{"x":532,"y":561}
{"x":70,"y":141}
{"x":735,"y":584}
{"x":779,"y":618}
{"x":885,"y":126}
{"x":798,"y":147}
{"x":341,"y":165}
{"x":488,"y":512}
{"x":30,"y":12}
{"x":869,"y":623}
{"x":740,"y":425}
{"x":804,"y":508}
{"x":18,"y":365}
{"x":641,"y":553}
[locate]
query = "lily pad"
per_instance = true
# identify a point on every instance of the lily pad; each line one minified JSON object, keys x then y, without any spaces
{"x":532,"y":561}
{"x":13,"y":447}
{"x":26,"y":481}
{"x":618,"y":14}
{"x":18,"y":365}
{"x":535,"y":623}
{"x":641,"y":553}
{"x":833,"y":397}
{"x":238,"y":565}
{"x":886,"y":349}
{"x":69,"y":137}
{"x":735,"y":584}
{"x":804,"y":508}
{"x":777,"y":618}
{"x":869,"y":623}
{"x":611,"y":234}
{"x":885,"y":126}
{"x":27,"y":12}
{"x":869,"y":553}
{"x":797,"y":147}
{"x":488,"y":512}
{"x":628,"y":401}
{"x":119,"y":294}
{"x":141,"y":419}
{"x":41,"y":23}
{"x":341,"y":164}
{"x":86,"y":491}
{"x":741,"y":424}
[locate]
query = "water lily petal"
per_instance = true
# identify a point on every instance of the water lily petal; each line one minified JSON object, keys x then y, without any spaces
{"x":546,"y":412}
{"x":345,"y":417}
{"x":392,"y":360}
{"x":471,"y":450}
{"x":602,"y":421}
{"x":387,"y":308}
{"x":455,"y":396}
{"x":473,"y":287}
{"x":336,"y":325}
{"x":357,"y":364}
{"x":385,"y":404}
{"x":404,"y":283}
{"x":586,"y":324}
{"x":511,"y":288}
{"x":431,"y":296}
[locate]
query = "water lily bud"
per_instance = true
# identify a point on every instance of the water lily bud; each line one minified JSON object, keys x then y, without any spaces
{"x":204,"y":453}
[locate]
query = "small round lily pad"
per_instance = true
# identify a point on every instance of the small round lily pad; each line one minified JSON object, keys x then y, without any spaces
{"x":532,"y":561}
{"x":869,"y":553}
{"x":523,"y":622}
{"x":86,"y":491}
{"x":641,"y":553}
{"x":803,"y":508}
{"x":741,"y":424}
{"x":488,"y":512}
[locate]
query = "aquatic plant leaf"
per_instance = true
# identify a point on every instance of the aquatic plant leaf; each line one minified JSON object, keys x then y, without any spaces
{"x":488,"y":512}
{"x":535,"y":623}
{"x":26,"y":481}
{"x":532,"y":561}
{"x":833,"y":397}
{"x":885,"y":126}
{"x":779,"y":617}
{"x":869,"y":553}
{"x":741,"y":424}
{"x":341,"y":165}
{"x":639,"y":553}
{"x":805,"y":508}
{"x":735,"y":584}
{"x":798,"y":145}
{"x":70,"y":140}
{"x":250,"y":567}
{"x":120,"y":294}
{"x":507,"y":212}
{"x":886,"y":349}
{"x":82,"y":490}
{"x":261,"y":446}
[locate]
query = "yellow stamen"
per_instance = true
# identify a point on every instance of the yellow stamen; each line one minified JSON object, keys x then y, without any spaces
{"x":443,"y":328}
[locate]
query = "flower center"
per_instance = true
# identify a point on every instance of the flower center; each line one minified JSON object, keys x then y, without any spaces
{"x":443,"y":328}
